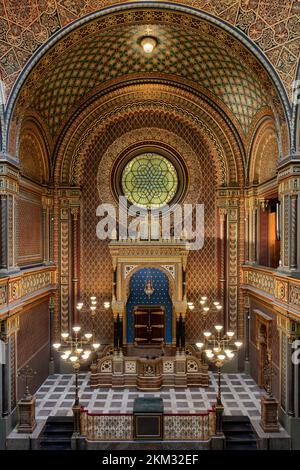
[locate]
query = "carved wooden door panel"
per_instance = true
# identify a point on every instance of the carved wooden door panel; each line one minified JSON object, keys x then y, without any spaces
{"x":149,"y":325}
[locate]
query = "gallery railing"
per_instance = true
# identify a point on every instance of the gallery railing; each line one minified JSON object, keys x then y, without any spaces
{"x":119,"y":427}
{"x":281,"y":289}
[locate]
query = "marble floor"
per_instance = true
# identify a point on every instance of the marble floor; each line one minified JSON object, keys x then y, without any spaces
{"x":240,"y":396}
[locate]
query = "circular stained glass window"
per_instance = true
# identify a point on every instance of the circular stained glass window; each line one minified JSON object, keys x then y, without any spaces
{"x":149,"y":180}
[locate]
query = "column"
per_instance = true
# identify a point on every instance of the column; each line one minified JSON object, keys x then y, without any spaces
{"x":246,"y":244}
{"x":51,"y":235}
{"x":51,"y":334}
{"x":9,"y":189}
{"x":9,"y":330}
{"x":229,"y":200}
{"x":75,"y":239}
{"x":64,"y":259}
{"x":116,"y":316}
{"x":297,"y":385}
{"x":293,"y":231}
{"x":183,"y":284}
{"x":4,"y":372}
{"x":117,"y":311}
{"x":290,"y":381}
{"x":289,"y":190}
{"x":180,"y":332}
{"x":247,"y":333}
{"x":47,"y":209}
{"x":8,"y":234}
{"x":45,"y":233}
{"x":223,"y":263}
{"x":253,"y":230}
{"x":116,"y":332}
{"x":69,"y":203}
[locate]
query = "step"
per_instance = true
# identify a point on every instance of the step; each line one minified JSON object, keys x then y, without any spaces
{"x":55,"y":439}
{"x":58,"y":435}
{"x":248,"y":438}
{"x":59,"y":428}
{"x":240,"y":435}
{"x":55,"y":446}
{"x":237,"y":430}
{"x":237,"y":418}
{"x":60,"y":419}
{"x":241,"y":447}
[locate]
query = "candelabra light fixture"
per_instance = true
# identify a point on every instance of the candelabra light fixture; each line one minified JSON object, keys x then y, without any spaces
{"x":27,"y":374}
{"x":219,"y":349}
{"x":75,"y":349}
{"x":93,"y":305}
{"x":203,"y":307}
{"x":93,"y":311}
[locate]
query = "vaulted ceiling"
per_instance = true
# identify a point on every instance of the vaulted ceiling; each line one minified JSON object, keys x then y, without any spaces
{"x":116,"y":52}
{"x":272,"y":25}
{"x":106,"y":51}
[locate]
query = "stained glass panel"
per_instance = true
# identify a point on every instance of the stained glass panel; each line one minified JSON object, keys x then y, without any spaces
{"x":149,"y":180}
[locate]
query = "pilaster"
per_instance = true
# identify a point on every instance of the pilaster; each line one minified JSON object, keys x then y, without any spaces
{"x":229,"y":201}
{"x":47,"y":211}
{"x":68,"y":249}
{"x":9,"y":190}
{"x":252,"y":225}
{"x":289,"y":192}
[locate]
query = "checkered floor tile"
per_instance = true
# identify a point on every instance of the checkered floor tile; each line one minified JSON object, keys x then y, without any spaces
{"x":240,"y":396}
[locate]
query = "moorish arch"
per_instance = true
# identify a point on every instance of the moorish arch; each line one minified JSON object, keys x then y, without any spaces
{"x":33,"y":152}
{"x":226,"y":146}
{"x":264,"y":154}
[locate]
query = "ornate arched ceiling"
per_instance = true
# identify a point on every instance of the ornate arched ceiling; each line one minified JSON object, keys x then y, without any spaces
{"x":106,"y":50}
{"x":272,"y":25}
{"x":121,"y":107}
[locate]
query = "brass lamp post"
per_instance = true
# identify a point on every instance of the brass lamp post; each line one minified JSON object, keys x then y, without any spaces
{"x":219,"y":349}
{"x":75,"y":350}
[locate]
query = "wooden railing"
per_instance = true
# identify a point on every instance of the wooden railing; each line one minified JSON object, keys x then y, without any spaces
{"x":119,"y":427}
{"x":281,"y":289}
{"x":25,"y":284}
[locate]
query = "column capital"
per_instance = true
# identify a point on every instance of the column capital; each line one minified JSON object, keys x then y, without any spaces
{"x":69,"y":197}
{"x":9,"y":178}
{"x":118,"y":308}
{"x":9,"y":159}
{"x":222,"y":212}
{"x":289,"y":159}
{"x":263,"y":203}
{"x":75,"y":212}
{"x":289,"y":170}
{"x":228,"y":197}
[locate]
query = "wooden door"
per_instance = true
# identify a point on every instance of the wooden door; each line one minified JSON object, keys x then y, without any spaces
{"x":149,"y":325}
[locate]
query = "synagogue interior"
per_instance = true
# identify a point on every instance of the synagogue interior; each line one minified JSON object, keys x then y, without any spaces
{"x":150,"y":224}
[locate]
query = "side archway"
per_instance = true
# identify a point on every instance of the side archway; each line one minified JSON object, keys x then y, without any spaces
{"x":264,"y":153}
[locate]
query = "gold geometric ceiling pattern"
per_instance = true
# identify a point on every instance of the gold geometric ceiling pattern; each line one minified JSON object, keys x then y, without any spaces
{"x":83,"y":65}
{"x":273,"y":26}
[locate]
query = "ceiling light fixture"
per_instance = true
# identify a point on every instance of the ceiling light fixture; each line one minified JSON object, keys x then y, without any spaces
{"x":148,"y":44}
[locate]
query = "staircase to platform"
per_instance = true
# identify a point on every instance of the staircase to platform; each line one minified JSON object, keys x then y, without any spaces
{"x":57,"y":433}
{"x":239,"y":434}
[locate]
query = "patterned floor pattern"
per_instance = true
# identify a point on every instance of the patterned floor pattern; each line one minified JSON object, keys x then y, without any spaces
{"x":240,"y":396}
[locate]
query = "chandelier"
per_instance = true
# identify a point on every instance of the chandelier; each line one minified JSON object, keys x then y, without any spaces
{"x":149,"y":289}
